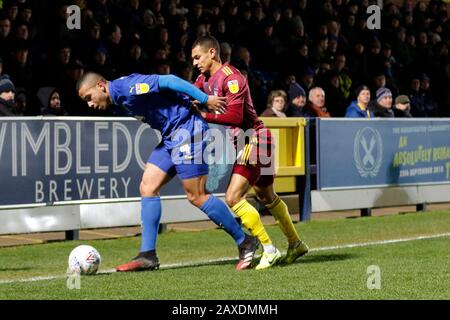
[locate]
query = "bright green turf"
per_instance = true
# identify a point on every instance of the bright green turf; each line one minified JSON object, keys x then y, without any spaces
{"x":410,"y":270}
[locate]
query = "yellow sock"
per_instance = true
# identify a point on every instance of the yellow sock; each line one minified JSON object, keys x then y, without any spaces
{"x":280,"y":212}
{"x":252,"y":221}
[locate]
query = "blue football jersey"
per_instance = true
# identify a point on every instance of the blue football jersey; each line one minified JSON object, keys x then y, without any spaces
{"x":164,"y":110}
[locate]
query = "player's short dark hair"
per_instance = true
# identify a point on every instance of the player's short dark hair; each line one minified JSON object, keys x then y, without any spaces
{"x":207,"y":42}
{"x":89,"y":78}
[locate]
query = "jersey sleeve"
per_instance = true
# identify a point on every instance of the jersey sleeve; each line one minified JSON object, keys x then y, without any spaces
{"x":177,"y":84}
{"x":234,"y":87}
{"x":139,"y":84}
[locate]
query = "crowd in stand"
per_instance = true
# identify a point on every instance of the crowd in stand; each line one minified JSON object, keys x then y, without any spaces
{"x":301,"y":58}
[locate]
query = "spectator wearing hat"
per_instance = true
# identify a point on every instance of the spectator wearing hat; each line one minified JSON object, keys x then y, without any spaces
{"x":297,"y":101}
{"x":382,"y":105}
{"x":50,"y":102}
{"x":402,"y":107}
{"x":7,"y":95}
{"x":360,"y":107}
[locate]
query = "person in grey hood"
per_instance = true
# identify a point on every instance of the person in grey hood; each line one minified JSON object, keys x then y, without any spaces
{"x":50,"y":102}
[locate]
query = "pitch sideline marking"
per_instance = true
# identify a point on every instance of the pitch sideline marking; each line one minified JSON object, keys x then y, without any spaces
{"x":37,"y":241}
{"x":229,"y":259}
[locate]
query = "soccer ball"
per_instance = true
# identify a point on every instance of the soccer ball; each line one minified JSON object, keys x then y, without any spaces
{"x":84,"y":259}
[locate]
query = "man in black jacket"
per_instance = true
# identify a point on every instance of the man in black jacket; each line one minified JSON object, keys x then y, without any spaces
{"x":7,"y":95}
{"x":382,"y":106}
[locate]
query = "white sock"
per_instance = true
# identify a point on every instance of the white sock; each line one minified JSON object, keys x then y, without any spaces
{"x":269,"y":248}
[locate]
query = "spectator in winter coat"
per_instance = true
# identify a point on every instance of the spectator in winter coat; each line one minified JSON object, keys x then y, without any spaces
{"x":297,"y":101}
{"x":316,"y":103}
{"x":7,"y":95}
{"x":276,"y":104}
{"x":402,"y":107}
{"x":382,"y":106}
{"x":360,"y":107}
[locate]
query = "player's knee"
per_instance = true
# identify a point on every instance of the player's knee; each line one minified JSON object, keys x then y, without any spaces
{"x":265,"y":199}
{"x":232,"y":199}
{"x":147,"y":190}
{"x":195,"y":199}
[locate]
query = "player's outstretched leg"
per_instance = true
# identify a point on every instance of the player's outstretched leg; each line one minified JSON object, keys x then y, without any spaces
{"x":152,"y":181}
{"x":150,"y":216}
{"x":220,"y":214}
{"x":251,"y":219}
{"x":280,"y":212}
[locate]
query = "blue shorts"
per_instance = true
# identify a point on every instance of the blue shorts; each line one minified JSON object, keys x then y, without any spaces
{"x":185,"y":160}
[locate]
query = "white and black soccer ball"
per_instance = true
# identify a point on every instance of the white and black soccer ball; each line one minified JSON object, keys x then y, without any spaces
{"x":84,"y":260}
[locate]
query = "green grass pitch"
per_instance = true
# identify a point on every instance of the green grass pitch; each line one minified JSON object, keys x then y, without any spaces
{"x":414,"y":269}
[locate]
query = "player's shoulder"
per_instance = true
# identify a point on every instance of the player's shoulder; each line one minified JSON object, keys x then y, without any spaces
{"x":201,"y":78}
{"x":136,"y":83}
{"x":124,"y":80}
{"x":231,"y":73}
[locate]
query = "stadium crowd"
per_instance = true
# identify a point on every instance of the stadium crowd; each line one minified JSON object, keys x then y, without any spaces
{"x":301,"y":58}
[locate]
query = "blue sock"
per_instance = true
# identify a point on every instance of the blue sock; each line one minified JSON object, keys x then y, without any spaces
{"x":218,"y":212}
{"x":150,"y":216}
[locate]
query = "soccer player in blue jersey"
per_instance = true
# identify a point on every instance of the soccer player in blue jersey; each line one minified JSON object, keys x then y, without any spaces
{"x":163,"y":102}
